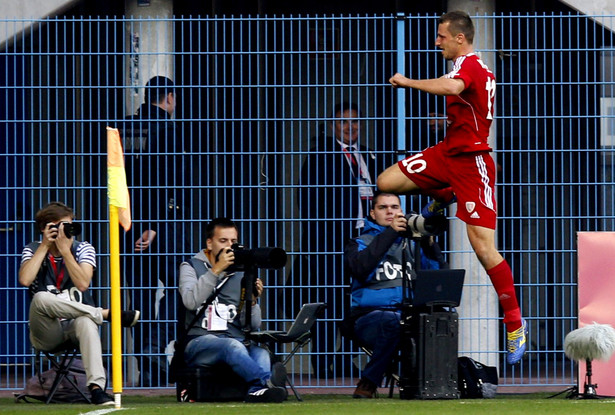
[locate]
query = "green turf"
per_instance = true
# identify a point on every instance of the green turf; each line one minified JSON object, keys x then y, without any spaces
{"x":527,"y":404}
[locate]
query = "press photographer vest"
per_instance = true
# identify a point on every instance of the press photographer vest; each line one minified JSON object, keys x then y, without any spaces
{"x":389,"y":271}
{"x":46,"y":278}
{"x":229,"y":296}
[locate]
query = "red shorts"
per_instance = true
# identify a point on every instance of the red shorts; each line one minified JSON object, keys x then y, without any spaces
{"x":470,"y":175}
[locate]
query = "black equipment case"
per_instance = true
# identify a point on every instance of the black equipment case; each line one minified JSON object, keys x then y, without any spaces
{"x":213,"y":384}
{"x":429,"y":347}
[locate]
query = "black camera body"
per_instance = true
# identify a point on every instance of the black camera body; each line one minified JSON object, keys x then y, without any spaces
{"x":70,"y":228}
{"x":267,"y":258}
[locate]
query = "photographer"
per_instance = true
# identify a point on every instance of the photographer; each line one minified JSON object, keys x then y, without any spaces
{"x":58,"y":271}
{"x":375,"y":263}
{"x":219,"y":337}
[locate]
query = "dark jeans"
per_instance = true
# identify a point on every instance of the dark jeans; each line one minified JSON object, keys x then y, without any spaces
{"x":251,"y":363}
{"x":379,"y":331}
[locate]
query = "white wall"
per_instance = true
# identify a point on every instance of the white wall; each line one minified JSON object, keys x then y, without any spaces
{"x":27,"y":9}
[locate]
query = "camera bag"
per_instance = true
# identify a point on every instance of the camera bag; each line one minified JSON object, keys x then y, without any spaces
{"x":217,"y":383}
{"x":39,"y":386}
{"x":476,"y":380}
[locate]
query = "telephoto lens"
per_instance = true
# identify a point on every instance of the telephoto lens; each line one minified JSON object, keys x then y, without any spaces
{"x":265,"y":257}
{"x":419,"y":226}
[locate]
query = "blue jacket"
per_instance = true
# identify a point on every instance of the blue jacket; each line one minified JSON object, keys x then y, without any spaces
{"x":374,"y":261}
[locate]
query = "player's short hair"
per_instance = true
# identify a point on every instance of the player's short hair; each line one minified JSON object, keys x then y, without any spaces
{"x":459,"y":22}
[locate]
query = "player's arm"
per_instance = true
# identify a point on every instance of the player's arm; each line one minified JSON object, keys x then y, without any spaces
{"x":437,"y":86}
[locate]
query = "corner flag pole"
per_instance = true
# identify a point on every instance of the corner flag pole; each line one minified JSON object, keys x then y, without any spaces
{"x":116,"y":307}
{"x":119,"y":213}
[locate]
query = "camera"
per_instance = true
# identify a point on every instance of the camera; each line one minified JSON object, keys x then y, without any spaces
{"x":419,"y":226}
{"x":70,"y":228}
{"x":268,"y":258}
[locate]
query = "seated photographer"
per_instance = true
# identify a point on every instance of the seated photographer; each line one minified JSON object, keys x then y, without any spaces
{"x":219,"y":337}
{"x":58,"y":271}
{"x":374,"y":260}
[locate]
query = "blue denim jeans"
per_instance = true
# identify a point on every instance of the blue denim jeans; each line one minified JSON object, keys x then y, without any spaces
{"x":379,"y":331}
{"x":251,"y":363}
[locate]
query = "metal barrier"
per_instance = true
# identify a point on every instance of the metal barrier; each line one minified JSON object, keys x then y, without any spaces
{"x":254,"y":96}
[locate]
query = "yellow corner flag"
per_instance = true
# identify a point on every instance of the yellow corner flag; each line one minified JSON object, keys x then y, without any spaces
{"x":117,"y":190}
{"x":119,"y":213}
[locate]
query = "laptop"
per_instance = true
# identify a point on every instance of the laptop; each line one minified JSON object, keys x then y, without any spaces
{"x":305,"y":319}
{"x":438,"y":287}
{"x":300,"y":327}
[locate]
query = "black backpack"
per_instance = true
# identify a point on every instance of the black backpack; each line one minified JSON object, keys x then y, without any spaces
{"x":476,"y":380}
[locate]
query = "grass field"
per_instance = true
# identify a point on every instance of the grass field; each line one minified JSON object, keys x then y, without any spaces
{"x":526,"y":404}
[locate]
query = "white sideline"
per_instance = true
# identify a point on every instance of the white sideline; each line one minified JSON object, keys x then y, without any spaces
{"x":102,"y":411}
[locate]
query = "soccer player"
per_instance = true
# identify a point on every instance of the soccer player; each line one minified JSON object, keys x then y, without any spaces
{"x":460,"y":168}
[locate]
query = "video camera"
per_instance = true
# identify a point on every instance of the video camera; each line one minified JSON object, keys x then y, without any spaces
{"x":267,"y":258}
{"x":419,"y":226}
{"x":70,"y":228}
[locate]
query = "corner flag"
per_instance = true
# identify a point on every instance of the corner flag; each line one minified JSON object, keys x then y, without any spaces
{"x":117,"y":190}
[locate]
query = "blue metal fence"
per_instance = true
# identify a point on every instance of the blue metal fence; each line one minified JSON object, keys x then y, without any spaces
{"x":254,"y":95}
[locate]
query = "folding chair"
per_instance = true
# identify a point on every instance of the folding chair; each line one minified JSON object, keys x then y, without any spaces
{"x":391,"y":375}
{"x":61,"y":359}
{"x":298,"y":333}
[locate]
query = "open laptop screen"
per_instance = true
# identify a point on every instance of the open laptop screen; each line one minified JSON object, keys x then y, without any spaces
{"x":438,"y":287}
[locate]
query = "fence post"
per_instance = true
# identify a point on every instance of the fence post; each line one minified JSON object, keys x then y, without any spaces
{"x":400,"y":66}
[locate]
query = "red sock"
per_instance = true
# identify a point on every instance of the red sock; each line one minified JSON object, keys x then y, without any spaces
{"x":502,"y":280}
{"x":441,"y":195}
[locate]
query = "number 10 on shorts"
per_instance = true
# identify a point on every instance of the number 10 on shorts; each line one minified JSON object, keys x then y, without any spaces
{"x":414,"y":164}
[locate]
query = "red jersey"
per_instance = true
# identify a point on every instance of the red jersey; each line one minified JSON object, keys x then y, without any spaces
{"x":469,"y":114}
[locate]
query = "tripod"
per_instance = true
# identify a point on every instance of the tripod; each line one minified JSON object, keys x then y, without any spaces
{"x":589,"y":388}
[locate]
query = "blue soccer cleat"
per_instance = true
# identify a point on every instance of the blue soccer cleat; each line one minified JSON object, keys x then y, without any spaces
{"x":516,"y":344}
{"x":436,"y":208}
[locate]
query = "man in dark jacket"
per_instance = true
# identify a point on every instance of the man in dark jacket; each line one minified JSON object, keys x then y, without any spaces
{"x":153,"y":249}
{"x":375,"y":260}
{"x":334,"y":192}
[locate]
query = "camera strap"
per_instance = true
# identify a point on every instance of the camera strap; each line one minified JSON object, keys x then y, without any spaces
{"x":203,"y":308}
{"x":59,"y":275}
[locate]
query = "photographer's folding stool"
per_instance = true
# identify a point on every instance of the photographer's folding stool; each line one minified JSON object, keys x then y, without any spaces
{"x":299,"y":333}
{"x":61,"y":359}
